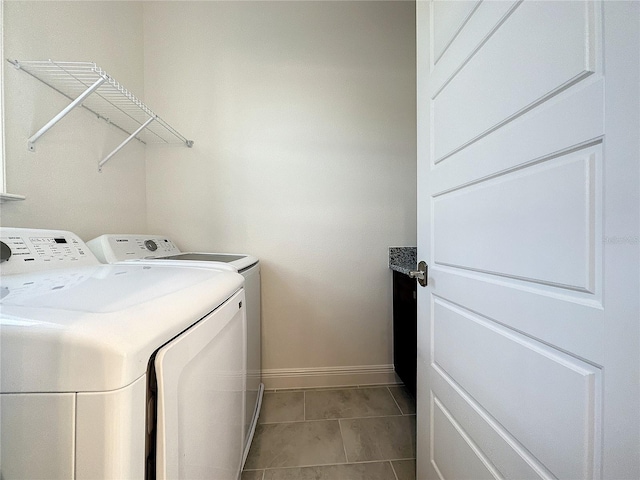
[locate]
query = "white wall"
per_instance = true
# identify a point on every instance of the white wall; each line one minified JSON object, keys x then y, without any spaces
{"x":303,"y":116}
{"x":61,"y":180}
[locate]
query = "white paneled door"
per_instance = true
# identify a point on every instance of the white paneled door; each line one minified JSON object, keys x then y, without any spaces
{"x":528,"y":216}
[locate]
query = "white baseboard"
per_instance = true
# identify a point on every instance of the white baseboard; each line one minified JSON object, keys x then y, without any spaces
{"x":291,"y":378}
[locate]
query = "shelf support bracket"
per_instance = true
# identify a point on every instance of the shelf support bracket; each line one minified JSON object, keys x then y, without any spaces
{"x":34,"y":138}
{"x":129,"y":138}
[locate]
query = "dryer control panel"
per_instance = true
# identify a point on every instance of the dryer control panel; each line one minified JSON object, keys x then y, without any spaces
{"x":118,"y":248}
{"x":24,"y":250}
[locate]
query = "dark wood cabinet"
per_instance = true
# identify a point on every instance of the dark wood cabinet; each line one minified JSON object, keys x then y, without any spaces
{"x":404,"y":329}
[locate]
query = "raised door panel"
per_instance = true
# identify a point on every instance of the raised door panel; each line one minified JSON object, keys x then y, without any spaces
{"x":541,"y":228}
{"x":556,"y":52}
{"x":546,"y":401}
{"x":452,"y":448}
{"x":448,"y":20}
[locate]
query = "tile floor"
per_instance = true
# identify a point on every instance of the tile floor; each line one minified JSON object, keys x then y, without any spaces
{"x":353,"y":433}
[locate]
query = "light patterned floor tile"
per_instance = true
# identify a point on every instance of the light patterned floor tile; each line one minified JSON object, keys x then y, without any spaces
{"x":379,"y":438}
{"x":360,"y":471}
{"x":252,"y":475}
{"x":349,"y":403}
{"x":405,"y":469}
{"x":282,"y":407}
{"x":296,"y":444}
{"x":405,"y":400}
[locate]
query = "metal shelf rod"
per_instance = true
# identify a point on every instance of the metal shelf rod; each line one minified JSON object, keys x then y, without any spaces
{"x":119,"y":147}
{"x":34,"y":138}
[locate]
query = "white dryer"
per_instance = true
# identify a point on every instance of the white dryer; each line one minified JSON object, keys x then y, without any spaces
{"x":160,"y":250}
{"x":117,"y":371}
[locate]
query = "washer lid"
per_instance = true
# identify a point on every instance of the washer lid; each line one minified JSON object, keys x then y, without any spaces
{"x":114,"y":248}
{"x":95,"y":328}
{"x":239,"y":261}
{"x":206,"y":257}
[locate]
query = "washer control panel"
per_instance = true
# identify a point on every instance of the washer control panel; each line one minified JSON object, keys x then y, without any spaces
{"x":25,"y":250}
{"x":117,"y":248}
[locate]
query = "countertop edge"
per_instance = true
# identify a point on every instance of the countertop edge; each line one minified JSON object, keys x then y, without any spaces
{"x":403,"y":259}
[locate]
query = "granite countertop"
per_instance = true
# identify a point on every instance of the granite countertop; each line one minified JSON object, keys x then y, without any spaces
{"x":403,"y":259}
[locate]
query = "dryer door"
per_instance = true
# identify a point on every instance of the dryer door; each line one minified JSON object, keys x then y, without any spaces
{"x":201,"y":377}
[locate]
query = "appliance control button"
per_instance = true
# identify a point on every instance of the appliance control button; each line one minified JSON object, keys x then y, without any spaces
{"x":5,"y":252}
{"x":151,"y":245}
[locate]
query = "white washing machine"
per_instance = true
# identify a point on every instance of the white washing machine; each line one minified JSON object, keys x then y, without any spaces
{"x":117,"y":371}
{"x":116,"y":248}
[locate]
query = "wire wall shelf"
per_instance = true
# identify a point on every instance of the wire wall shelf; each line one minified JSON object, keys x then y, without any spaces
{"x":87,"y":85}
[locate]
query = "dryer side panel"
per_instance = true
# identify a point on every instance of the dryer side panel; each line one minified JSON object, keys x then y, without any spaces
{"x":37,"y":435}
{"x":254,"y":342}
{"x":111,"y":433}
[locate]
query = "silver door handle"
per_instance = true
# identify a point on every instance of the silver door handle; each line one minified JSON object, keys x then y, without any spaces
{"x":421,"y":274}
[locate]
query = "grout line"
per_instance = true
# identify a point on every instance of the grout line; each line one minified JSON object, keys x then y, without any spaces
{"x":332,"y":387}
{"x":341,"y":418}
{"x":344,"y":445}
{"x":395,"y":401}
{"x":395,"y":474}
{"x":304,"y":405}
{"x":362,"y":462}
{"x":254,"y":470}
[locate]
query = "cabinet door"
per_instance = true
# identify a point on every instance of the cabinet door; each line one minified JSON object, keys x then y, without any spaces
{"x":404,"y":329}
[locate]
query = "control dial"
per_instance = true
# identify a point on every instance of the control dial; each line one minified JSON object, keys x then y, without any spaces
{"x":5,"y":252}
{"x":151,"y":245}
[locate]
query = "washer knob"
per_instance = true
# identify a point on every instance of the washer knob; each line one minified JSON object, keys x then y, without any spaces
{"x":151,"y":245}
{"x":5,"y":252}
